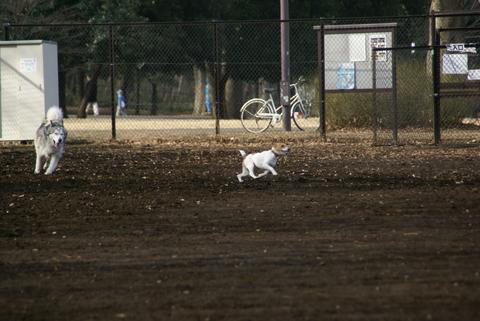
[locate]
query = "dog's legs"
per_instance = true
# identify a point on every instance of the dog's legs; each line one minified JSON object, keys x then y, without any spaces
{"x":250,"y":168}
{"x":263,"y":174}
{"x":38,"y":164}
{"x":47,"y":159}
{"x":243,"y":173}
{"x":53,"y":164}
{"x":271,"y":169}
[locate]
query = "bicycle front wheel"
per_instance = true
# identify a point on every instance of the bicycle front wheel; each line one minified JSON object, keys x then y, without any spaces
{"x":256,"y":115}
{"x":300,"y":115}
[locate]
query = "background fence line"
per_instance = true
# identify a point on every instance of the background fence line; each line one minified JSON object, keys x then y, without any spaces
{"x":191,"y":78}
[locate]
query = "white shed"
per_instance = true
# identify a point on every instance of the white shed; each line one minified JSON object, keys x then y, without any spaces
{"x":28,"y":86}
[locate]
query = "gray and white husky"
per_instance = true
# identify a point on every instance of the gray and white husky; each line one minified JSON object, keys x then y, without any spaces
{"x":50,"y":141}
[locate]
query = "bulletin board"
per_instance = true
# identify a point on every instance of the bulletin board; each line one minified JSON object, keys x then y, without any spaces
{"x":348,"y":56}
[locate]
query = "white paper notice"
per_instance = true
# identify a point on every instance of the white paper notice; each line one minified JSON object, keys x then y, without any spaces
{"x":379,"y":41}
{"x":356,"y":47}
{"x":28,"y":65}
{"x":455,"y":64}
{"x":474,"y":74}
{"x":346,"y":76}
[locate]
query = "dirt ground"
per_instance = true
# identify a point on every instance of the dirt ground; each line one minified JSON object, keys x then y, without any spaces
{"x":166,"y":232}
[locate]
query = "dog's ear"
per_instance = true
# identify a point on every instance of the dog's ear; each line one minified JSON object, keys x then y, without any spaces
{"x":50,"y":128}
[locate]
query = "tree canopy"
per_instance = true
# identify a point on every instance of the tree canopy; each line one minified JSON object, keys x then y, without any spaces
{"x":48,"y":11}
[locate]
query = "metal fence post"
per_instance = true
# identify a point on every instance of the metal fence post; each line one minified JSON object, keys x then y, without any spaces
{"x":112,"y":80}
{"x":436,"y":82}
{"x":374,"y":93}
{"x":6,"y":31}
{"x":285,"y":64}
{"x":216,"y":73}
{"x":394,"y":93}
{"x":321,"y":72}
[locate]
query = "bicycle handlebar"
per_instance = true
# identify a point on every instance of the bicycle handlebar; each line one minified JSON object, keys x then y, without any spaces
{"x":300,"y":81}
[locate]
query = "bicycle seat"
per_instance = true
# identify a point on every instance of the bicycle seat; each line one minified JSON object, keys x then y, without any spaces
{"x":269,"y":90}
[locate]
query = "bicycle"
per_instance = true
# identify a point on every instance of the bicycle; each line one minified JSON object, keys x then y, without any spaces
{"x":257,"y":114}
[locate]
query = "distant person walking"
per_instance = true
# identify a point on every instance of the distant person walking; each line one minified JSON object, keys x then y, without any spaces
{"x":91,"y":94}
{"x":121,"y":104}
{"x":208,"y":105}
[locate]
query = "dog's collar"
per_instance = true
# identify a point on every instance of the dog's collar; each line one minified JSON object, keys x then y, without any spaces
{"x":277,"y":153}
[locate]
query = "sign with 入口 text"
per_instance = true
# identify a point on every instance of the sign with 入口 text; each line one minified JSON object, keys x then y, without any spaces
{"x":460,"y":47}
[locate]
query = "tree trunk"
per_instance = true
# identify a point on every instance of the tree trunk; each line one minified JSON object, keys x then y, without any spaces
{"x":80,"y":84}
{"x":179,"y":79}
{"x":199,"y":79}
{"x":154,"y":103}
{"x":448,"y":22}
{"x":137,"y":92}
{"x":233,"y":98}
{"x":445,"y":22}
{"x":224,"y":75}
{"x":81,"y":112}
{"x":61,"y":93}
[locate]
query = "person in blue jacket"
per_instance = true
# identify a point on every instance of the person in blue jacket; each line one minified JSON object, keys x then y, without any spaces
{"x":121,"y":104}
{"x":207,"y":98}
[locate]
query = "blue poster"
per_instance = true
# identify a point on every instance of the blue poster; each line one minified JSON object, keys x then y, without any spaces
{"x":346,"y":76}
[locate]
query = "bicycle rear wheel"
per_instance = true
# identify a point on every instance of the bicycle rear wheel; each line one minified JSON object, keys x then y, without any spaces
{"x":300,"y":115}
{"x":256,"y":115}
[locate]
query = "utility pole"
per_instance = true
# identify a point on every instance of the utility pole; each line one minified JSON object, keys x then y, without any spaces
{"x":285,"y":64}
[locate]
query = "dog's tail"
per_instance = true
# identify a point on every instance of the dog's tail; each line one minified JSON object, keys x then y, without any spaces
{"x":55,"y":114}
{"x":243,"y":153}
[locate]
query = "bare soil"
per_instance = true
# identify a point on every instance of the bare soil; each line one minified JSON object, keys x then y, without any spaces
{"x":166,"y":232}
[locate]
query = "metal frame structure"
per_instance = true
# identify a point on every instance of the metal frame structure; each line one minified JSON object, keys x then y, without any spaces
{"x":323,"y":30}
{"x":436,"y":61}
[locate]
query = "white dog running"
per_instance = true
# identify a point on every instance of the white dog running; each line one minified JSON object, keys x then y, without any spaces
{"x":266,"y":160}
{"x":50,"y":141}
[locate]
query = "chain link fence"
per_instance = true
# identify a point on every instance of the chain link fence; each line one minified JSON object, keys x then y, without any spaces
{"x":192,"y":79}
{"x":460,"y":85}
{"x":403,"y":114}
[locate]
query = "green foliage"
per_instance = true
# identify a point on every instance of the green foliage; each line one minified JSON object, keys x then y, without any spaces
{"x":414,"y":101}
{"x":112,"y":10}
{"x":37,"y":11}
